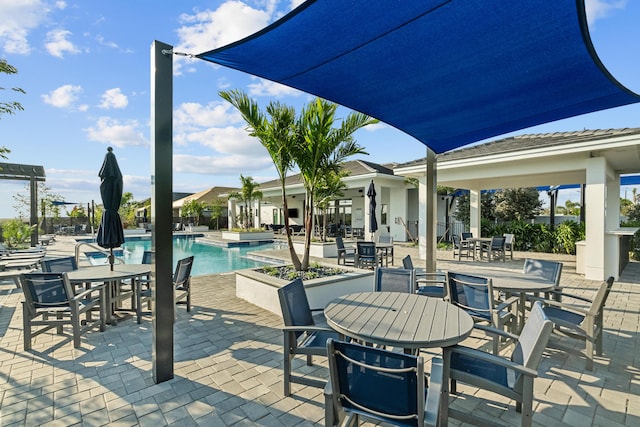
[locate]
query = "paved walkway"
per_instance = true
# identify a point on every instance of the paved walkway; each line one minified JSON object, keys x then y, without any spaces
{"x":228,"y":358}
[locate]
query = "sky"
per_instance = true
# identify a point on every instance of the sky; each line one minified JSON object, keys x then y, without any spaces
{"x":85,"y":66}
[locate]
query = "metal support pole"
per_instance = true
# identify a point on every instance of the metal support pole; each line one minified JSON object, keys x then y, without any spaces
{"x":431,"y":210}
{"x":161,"y":209}
{"x":33,"y":211}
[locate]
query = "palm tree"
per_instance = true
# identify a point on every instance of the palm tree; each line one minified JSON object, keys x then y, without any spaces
{"x":321,"y":149}
{"x":276,"y":132}
{"x":328,"y":190}
{"x":250,"y":192}
{"x":247,"y":194}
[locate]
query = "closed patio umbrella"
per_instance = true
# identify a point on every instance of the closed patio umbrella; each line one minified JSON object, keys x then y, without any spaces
{"x":110,"y":232}
{"x":373,"y":221}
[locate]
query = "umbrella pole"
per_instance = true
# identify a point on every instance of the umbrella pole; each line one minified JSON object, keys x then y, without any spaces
{"x":111,"y":258}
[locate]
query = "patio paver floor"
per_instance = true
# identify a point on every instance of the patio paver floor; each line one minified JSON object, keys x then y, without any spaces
{"x":228,"y":358}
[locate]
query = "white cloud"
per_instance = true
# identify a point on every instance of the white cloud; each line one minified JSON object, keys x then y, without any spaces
{"x":101,"y":40}
{"x":18,"y":19}
{"x":118,"y":133}
{"x":113,"y":98}
{"x":219,"y":165}
{"x":192,"y":115}
{"x":61,"y":5}
{"x":205,"y":30}
{"x":63,"y":97}
{"x":598,"y":9}
{"x":211,"y":126}
{"x":268,"y":88}
{"x":231,"y":21}
{"x":57,"y":43}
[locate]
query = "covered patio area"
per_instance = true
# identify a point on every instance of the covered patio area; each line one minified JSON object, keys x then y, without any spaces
{"x":592,"y":159}
{"x":229,"y":367}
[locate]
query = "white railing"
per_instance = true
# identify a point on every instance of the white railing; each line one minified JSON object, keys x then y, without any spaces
{"x":97,"y":248}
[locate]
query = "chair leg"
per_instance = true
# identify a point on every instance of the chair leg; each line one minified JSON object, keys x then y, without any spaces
{"x":138,"y":301}
{"x":589,"y":353}
{"x":286,"y":367}
{"x":188,"y":287}
{"x":526,"y":407}
{"x":26,"y":326}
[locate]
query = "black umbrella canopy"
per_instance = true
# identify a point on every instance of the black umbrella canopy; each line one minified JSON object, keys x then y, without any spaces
{"x":373,"y":221}
{"x":110,"y":232}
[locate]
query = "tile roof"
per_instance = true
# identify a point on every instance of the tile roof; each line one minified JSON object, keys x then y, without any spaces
{"x":353,"y":167}
{"x":527,"y":142}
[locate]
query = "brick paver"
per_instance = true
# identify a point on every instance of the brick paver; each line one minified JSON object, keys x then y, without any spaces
{"x":228,"y":358}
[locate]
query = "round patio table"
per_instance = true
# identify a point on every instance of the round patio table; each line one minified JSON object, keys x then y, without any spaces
{"x":103,"y":273}
{"x":398,"y":319}
{"x":520,"y":284}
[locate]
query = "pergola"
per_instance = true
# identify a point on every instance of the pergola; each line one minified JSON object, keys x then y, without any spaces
{"x":449,"y":73}
{"x":33,"y":174}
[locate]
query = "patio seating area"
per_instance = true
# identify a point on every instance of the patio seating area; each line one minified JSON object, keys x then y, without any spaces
{"x":229,"y":364}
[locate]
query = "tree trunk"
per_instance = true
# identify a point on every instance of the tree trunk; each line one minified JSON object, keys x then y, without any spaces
{"x":292,"y":252}
{"x":308,"y":224}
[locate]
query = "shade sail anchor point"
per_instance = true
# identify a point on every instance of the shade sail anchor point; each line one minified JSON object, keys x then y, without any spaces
{"x":171,"y":52}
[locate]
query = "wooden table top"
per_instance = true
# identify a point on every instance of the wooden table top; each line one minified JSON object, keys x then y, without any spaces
{"x":99,"y":273}
{"x":398,"y":319}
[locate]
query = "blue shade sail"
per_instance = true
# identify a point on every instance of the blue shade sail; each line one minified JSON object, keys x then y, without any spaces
{"x":448,"y":73}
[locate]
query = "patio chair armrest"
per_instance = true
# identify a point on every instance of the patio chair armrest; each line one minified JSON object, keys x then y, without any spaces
{"x":575,"y":297}
{"x":495,"y":331}
{"x":94,"y":288}
{"x":488,"y":357}
{"x":564,"y":306}
{"x":507,"y":303}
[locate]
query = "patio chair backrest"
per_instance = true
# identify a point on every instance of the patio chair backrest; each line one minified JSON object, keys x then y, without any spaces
{"x":395,"y":280}
{"x":600,"y":297}
{"x":531,"y":342}
{"x":385,"y":238}
{"x":59,"y":265}
{"x":183,"y":271}
{"x":43,"y":290}
{"x":147,"y":257}
{"x":508,"y":238}
{"x":373,"y":382}
{"x":339,"y":243}
{"x":548,"y":270}
{"x":472,"y":293}
{"x":407,"y":263}
{"x":366,"y":249}
{"x":295,"y":305}
{"x":497,"y":242}
{"x":466,"y":235}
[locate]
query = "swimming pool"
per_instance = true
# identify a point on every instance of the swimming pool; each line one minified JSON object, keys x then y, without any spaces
{"x":208,"y":259}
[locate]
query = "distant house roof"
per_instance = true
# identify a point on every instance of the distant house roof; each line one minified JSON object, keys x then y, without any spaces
{"x":207,"y":196}
{"x":526,"y":142}
{"x":353,"y":167}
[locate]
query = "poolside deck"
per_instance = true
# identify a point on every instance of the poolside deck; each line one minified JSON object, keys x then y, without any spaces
{"x":228,"y":358}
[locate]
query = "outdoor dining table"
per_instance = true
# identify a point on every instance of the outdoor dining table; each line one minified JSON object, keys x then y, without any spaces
{"x":477,"y":242}
{"x":511,"y":282}
{"x":103,"y":273}
{"x":397,"y":319}
{"x":385,"y":249}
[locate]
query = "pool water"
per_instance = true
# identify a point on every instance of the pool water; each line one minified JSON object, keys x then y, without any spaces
{"x":208,"y":259}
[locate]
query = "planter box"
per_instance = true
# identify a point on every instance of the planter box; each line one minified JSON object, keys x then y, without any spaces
{"x":134,"y":231}
{"x":196,"y":228}
{"x":262,"y":290}
{"x":318,"y":249}
{"x":242,"y":235}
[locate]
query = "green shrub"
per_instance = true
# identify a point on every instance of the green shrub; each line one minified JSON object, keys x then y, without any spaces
{"x":16,"y":234}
